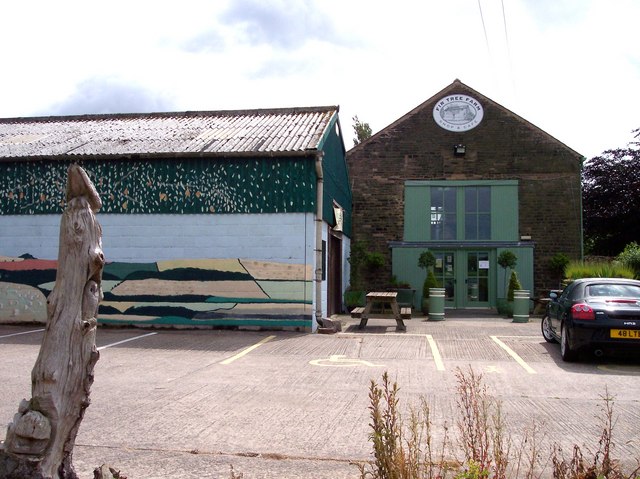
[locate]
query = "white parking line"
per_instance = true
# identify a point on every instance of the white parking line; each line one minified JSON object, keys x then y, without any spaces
{"x":436,"y":353}
{"x":125,"y":341}
{"x":514,"y":355}
{"x":24,"y":332}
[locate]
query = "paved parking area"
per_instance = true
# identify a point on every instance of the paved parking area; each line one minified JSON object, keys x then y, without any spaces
{"x":188,"y":404}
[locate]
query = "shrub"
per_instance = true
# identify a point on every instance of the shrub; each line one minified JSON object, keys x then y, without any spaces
{"x":430,"y":282}
{"x":514,"y":284}
{"x":597,"y":269}
{"x":427,"y":261}
{"x":361,"y":261}
{"x":507,"y":259}
{"x":558,"y":264}
{"x":630,"y":257}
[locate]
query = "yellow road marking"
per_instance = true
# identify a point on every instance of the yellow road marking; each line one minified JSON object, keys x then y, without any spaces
{"x":437,"y":358}
{"x":436,"y":353}
{"x":514,"y":355}
{"x":247,"y":351}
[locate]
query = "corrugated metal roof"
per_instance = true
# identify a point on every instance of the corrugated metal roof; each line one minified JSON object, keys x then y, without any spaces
{"x":256,"y":132}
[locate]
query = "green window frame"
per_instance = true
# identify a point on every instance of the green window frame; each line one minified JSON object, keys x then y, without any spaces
{"x":477,"y":212}
{"x":461,"y":210}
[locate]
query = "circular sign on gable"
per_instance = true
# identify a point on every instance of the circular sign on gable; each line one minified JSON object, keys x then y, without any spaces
{"x":458,"y":113}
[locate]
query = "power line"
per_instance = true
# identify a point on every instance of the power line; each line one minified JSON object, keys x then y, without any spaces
{"x":508,"y":44}
{"x":484,"y":29}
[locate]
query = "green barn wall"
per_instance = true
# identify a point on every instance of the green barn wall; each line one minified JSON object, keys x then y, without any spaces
{"x":336,"y":177}
{"x":166,"y":186}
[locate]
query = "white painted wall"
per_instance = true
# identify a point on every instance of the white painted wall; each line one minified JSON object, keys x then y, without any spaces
{"x":286,"y":238}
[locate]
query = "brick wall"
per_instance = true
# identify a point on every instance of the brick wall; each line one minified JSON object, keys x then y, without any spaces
{"x":503,"y":146}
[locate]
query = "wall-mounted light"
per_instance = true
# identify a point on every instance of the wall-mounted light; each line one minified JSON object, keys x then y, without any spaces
{"x":525,"y":238}
{"x":459,"y":150}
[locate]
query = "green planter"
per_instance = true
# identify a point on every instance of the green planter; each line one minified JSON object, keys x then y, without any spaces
{"x":406,"y":297}
{"x":425,"y":306}
{"x":354,"y":299}
{"x":436,"y":304}
{"x":504,"y":307}
{"x":521,"y":306}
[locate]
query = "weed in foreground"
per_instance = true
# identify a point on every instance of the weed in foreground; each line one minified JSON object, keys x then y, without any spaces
{"x":402,"y":451}
{"x":601,"y":465}
{"x":407,"y":450}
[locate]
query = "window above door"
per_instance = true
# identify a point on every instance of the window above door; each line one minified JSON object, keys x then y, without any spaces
{"x":461,"y":211}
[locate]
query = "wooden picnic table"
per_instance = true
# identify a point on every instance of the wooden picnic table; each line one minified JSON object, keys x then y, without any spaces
{"x":385,"y":298}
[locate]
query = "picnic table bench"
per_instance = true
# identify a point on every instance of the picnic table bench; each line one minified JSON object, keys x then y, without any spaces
{"x":386,"y":298}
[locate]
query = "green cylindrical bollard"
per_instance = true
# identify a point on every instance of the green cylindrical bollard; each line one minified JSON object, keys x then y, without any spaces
{"x":521,"y":306}
{"x":436,"y":304}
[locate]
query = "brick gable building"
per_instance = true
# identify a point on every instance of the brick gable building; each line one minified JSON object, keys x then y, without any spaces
{"x":466,"y":178}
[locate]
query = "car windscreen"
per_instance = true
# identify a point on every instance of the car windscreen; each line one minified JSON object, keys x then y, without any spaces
{"x":616,"y":290}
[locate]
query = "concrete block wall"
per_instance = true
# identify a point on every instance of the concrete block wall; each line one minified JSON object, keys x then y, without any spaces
{"x":286,"y":238}
{"x":274,"y":254}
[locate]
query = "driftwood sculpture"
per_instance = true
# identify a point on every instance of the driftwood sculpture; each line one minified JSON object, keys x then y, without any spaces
{"x":41,"y":438}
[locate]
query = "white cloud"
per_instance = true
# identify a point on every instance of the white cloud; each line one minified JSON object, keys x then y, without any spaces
{"x":571,"y":67}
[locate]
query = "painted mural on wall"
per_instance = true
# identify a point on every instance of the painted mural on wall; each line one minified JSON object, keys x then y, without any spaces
{"x":171,"y":186}
{"x":212,"y":292}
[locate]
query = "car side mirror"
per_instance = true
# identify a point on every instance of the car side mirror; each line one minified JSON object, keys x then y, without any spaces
{"x":553,"y":295}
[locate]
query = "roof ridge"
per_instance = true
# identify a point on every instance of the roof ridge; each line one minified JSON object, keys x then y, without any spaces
{"x":170,"y":114}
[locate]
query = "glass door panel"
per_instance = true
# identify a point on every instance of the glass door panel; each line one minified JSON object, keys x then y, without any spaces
{"x":477,"y":279}
{"x":445,"y":274}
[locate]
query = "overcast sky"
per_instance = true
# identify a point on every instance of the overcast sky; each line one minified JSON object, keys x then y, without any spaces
{"x":571,"y":67}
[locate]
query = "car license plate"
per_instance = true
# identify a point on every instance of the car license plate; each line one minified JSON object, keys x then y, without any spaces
{"x":625,"y":333}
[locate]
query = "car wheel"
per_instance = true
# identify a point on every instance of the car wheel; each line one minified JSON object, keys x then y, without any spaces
{"x":545,"y":325}
{"x":566,"y":352}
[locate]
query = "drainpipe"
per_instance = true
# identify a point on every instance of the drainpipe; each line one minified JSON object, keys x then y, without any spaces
{"x":319,"y":224}
{"x":582,"y":160}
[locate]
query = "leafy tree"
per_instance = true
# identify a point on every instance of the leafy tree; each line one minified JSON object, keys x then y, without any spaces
{"x":558,"y":264}
{"x":427,"y":261}
{"x":362,"y":131}
{"x":362,"y":260}
{"x":630,"y":257}
{"x":507,"y":259}
{"x":611,"y":199}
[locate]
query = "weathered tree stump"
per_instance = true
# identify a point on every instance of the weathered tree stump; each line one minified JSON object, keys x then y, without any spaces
{"x":40,"y":440}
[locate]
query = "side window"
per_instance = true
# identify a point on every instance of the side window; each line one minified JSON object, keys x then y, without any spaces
{"x":567,"y":291}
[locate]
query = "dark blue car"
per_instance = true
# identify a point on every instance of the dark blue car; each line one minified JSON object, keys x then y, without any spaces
{"x":601,"y":315}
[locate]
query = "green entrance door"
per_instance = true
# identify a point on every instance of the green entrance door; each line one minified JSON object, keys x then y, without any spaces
{"x":477,"y":279}
{"x":445,"y":272}
{"x":466,"y":277}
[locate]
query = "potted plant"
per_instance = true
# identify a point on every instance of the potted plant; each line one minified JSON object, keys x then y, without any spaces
{"x":506,"y":259}
{"x":514,"y":285}
{"x":427,"y":261}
